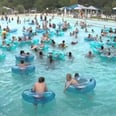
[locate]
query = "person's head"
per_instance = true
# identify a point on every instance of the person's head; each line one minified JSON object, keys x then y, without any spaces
{"x":53,"y":42}
{"x":50,"y":59}
{"x":76,"y":75}
{"x":68,"y":77}
{"x":22,"y":61}
{"x":22,"y":52}
{"x":89,"y":53}
{"x":41,"y":79}
{"x":109,"y":53}
{"x":63,"y":41}
{"x":8,"y":45}
{"x":92,"y":30}
{"x":102,"y":47}
{"x":70,"y":54}
{"x":28,"y":53}
{"x":40,"y":53}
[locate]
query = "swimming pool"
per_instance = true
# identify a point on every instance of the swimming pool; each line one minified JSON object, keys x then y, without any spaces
{"x":100,"y":102}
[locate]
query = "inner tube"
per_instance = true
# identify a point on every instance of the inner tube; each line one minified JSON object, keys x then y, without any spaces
{"x":26,"y":70}
{"x":106,"y":57}
{"x":86,"y":85}
{"x":40,"y":30}
{"x":9,"y":48}
{"x":13,"y":30}
{"x":89,"y":39}
{"x":34,"y":98}
{"x":30,"y":23}
{"x":27,"y":58}
{"x":58,"y":55}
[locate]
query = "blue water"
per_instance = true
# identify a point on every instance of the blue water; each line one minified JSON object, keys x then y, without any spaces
{"x":100,"y":102}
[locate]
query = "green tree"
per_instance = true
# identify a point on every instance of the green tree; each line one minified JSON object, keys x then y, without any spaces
{"x":64,"y":3}
{"x":73,"y":2}
{"x":20,"y":8}
{"x":114,"y":3}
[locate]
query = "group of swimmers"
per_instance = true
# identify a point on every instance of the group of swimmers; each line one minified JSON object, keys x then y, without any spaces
{"x":23,"y":63}
{"x":40,"y":87}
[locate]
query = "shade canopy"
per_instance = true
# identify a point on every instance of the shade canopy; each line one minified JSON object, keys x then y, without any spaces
{"x":92,"y":8}
{"x":79,"y":7}
{"x":65,"y":8}
{"x":7,"y":8}
{"x":73,"y":6}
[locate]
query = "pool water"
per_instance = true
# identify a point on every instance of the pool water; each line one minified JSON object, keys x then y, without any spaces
{"x":100,"y":102}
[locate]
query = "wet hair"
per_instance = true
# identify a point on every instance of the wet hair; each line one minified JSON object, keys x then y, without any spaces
{"x":53,"y":42}
{"x":22,"y":61}
{"x":36,"y":50}
{"x":8,"y":45}
{"x":63,"y":41}
{"x":76,"y":75}
{"x":50,"y":59}
{"x":40,"y":53}
{"x":90,"y":52}
{"x":41,"y":79}
{"x":22,"y":52}
{"x":70,"y":54}
{"x":28,"y":53}
{"x":109,"y":53}
{"x":68,"y":76}
{"x":102,"y":47}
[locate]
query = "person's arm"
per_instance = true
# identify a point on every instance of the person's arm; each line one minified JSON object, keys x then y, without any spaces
{"x":33,"y":89}
{"x":67,"y":84}
{"x":46,"y":89}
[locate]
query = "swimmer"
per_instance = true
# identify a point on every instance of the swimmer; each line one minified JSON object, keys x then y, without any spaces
{"x":70,"y":81}
{"x":22,"y":53}
{"x":74,"y":42}
{"x":41,"y":54}
{"x":89,"y":55}
{"x":70,"y":56}
{"x":62,"y":45}
{"x":22,"y":64}
{"x":40,"y":86}
{"x":50,"y":62}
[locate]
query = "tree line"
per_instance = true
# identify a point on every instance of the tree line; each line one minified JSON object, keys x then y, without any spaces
{"x":41,"y":5}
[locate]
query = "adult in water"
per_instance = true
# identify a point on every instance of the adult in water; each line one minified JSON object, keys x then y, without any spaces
{"x":22,"y":64}
{"x":40,"y":87}
{"x":70,"y":81}
{"x":89,"y":55}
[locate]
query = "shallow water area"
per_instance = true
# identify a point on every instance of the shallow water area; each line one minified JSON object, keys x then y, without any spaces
{"x":100,"y":102}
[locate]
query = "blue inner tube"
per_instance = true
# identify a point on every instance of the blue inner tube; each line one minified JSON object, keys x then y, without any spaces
{"x":13,"y":30}
{"x":86,"y":85}
{"x":58,"y":55}
{"x":32,"y":97}
{"x":106,"y":57}
{"x":88,"y":39}
{"x":26,"y":70}
{"x":9,"y":48}
{"x":30,"y":23}
{"x":94,"y":44}
{"x":29,"y":58}
{"x":40,"y":30}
